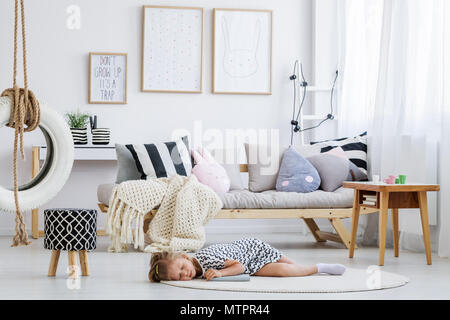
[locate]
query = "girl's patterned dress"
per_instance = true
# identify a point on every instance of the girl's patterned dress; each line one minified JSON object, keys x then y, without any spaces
{"x":252,"y":253}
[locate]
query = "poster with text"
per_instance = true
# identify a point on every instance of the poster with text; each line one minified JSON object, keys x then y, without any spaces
{"x":108,"y":78}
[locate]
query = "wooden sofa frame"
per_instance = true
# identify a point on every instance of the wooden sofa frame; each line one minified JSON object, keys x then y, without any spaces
{"x":334,"y":216}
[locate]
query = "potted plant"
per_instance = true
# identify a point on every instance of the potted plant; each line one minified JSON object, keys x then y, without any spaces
{"x":78,"y":123}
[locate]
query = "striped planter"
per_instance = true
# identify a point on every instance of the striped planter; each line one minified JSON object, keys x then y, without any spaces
{"x":79,"y":135}
{"x":100,"y":136}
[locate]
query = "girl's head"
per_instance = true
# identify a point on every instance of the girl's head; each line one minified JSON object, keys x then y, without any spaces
{"x":172,"y":266}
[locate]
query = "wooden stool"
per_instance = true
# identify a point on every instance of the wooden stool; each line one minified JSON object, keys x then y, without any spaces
{"x":72,"y":262}
{"x":72,"y":230}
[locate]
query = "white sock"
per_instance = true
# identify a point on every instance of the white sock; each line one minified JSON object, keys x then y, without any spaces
{"x":335,"y":269}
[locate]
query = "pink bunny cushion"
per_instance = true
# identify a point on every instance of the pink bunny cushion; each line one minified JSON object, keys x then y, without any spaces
{"x":209,"y":172}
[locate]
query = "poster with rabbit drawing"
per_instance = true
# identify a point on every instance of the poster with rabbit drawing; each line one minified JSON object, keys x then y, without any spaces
{"x":242,"y":51}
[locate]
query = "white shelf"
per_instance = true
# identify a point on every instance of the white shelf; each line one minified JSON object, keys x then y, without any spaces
{"x":87,"y":152}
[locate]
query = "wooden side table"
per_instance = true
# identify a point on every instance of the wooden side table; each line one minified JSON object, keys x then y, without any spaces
{"x":391,"y":196}
{"x":82,"y":152}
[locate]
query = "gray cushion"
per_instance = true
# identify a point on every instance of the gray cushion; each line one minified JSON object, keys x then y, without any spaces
{"x":310,"y":150}
{"x":272,"y":199}
{"x":333,"y":170}
{"x":263,"y":165}
{"x":126,"y":166}
{"x":297,"y":174}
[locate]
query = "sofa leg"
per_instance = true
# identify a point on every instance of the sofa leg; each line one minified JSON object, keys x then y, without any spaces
{"x":341,"y":231}
{"x":312,"y":226}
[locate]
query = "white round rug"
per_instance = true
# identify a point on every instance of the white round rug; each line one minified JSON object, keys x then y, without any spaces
{"x":352,"y":280}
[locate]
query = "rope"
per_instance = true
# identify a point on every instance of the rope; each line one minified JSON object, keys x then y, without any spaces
{"x":24,"y":111}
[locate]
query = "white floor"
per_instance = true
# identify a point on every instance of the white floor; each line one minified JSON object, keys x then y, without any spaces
{"x":23,"y":273}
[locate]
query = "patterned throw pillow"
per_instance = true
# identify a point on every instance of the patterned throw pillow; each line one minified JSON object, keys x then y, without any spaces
{"x":126,"y":166}
{"x":354,"y":147}
{"x":161,"y":160}
{"x":209,"y":172}
{"x":297,"y":174}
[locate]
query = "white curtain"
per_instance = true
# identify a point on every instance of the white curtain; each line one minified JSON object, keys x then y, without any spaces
{"x":444,"y":168}
{"x":359,"y":39}
{"x":393,"y":60}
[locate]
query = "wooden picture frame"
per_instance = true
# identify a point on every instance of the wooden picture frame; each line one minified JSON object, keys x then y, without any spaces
{"x":112,"y":80}
{"x":181,"y":38}
{"x":256,"y":67}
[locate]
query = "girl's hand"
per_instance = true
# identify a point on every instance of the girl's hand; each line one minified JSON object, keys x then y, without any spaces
{"x":212,"y":273}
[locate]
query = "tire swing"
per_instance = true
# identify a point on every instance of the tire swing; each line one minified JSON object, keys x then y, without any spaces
{"x":19,"y":107}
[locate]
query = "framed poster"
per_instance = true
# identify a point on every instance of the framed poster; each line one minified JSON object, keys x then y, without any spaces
{"x":172,"y":49}
{"x":108,"y":78}
{"x":242,"y":51}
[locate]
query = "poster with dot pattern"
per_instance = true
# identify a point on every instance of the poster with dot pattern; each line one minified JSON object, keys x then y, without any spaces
{"x":172,"y":49}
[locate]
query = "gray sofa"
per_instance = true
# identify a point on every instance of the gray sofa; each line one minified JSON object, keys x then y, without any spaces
{"x":259,"y":199}
{"x":271,"y":199}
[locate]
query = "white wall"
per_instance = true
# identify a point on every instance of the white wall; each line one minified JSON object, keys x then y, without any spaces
{"x":58,"y":70}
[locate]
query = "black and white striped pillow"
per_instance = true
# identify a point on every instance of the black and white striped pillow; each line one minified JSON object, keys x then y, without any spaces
{"x":355,"y":149}
{"x":161,"y":160}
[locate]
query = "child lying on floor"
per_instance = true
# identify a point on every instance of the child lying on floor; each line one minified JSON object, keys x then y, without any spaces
{"x":247,"y":255}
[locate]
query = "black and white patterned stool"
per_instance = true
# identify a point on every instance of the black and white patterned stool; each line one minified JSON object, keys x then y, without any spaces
{"x":71,"y":230}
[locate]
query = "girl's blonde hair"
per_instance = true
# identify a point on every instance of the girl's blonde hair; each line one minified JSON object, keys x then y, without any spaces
{"x":159,"y":265}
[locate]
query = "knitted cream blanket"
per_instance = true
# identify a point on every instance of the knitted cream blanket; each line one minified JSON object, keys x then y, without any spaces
{"x":185,"y":206}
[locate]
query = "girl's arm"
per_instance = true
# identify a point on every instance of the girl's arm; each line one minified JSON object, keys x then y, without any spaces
{"x":232,"y":268}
